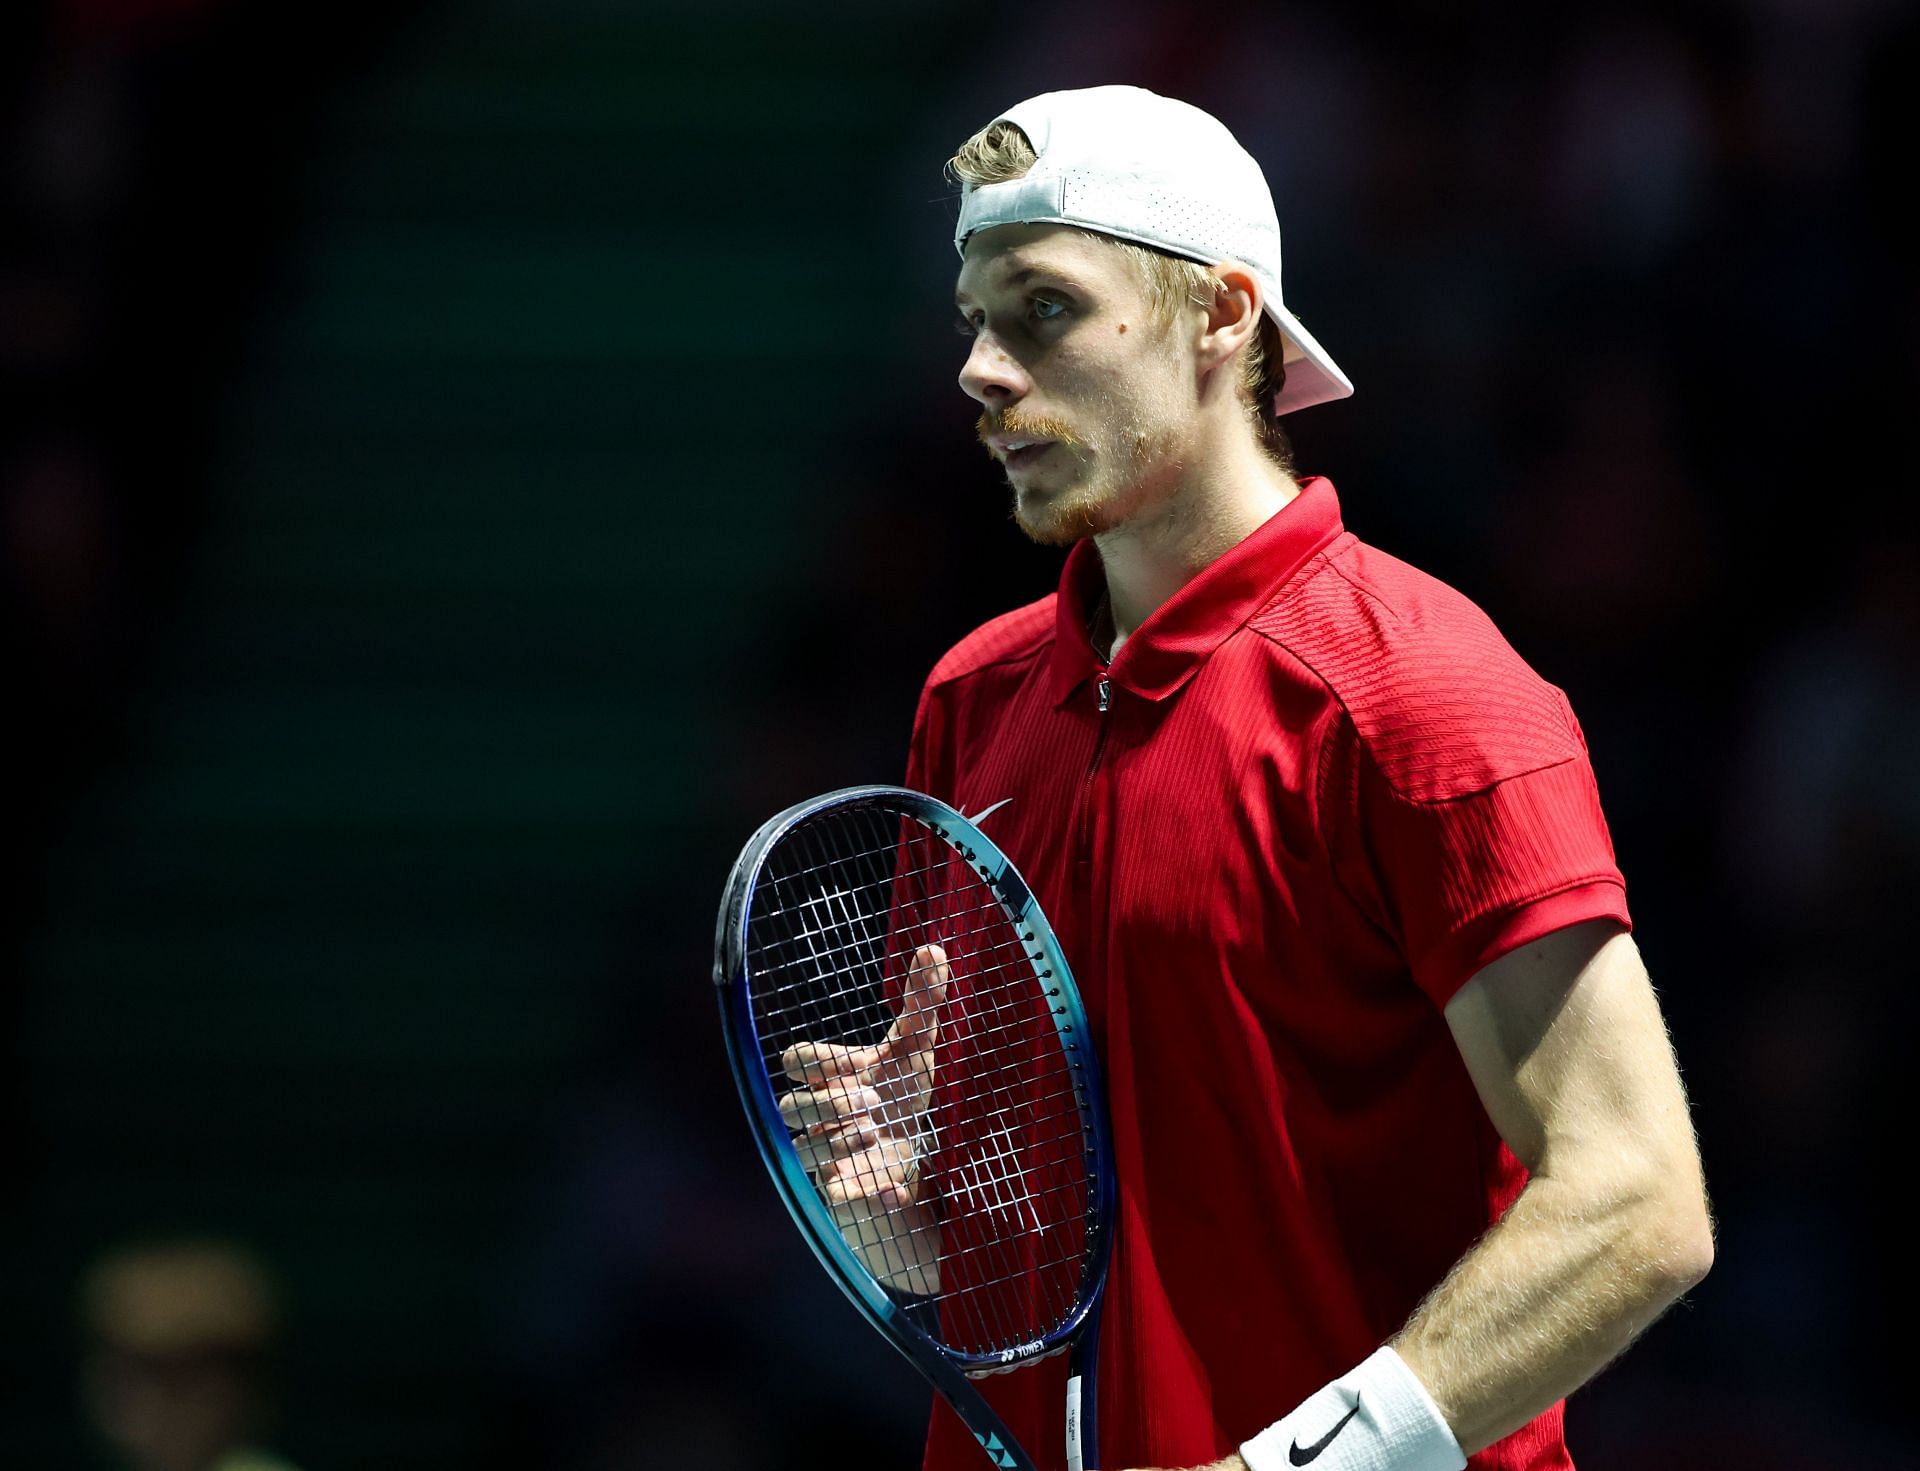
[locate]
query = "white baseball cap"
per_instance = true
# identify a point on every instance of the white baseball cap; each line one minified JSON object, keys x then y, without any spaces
{"x":1129,"y":163}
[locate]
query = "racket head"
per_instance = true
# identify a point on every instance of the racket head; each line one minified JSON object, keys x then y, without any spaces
{"x":822,"y":908}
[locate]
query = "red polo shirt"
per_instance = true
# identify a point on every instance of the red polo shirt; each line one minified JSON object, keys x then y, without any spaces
{"x":1323,"y":793}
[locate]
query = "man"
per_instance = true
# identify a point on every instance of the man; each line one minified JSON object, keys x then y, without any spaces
{"x":1403,"y":1154}
{"x":181,"y":1341}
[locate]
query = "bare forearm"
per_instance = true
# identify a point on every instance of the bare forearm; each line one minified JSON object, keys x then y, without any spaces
{"x":1554,"y":1292}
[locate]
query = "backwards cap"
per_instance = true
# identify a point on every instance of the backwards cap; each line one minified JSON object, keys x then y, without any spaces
{"x":1129,"y":163}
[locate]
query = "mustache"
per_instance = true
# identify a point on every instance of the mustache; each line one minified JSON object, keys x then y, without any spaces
{"x":1023,"y":425}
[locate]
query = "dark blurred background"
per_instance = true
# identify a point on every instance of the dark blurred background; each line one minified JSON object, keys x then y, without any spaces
{"x":462,"y":465}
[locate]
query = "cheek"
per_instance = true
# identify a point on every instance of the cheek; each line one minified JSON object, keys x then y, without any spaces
{"x":1136,"y":395}
{"x":1113,"y":396}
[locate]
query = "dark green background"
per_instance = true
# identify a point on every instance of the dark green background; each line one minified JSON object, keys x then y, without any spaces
{"x":530,"y":456}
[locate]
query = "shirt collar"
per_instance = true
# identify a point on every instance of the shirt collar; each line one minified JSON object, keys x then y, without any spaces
{"x":1164,"y":652}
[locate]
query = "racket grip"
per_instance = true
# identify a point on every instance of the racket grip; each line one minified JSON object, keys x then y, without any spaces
{"x":1073,"y":1424}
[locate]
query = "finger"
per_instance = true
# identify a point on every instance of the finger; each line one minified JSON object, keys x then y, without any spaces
{"x":858,"y":1179}
{"x":828,"y":1107}
{"x":821,"y":1149}
{"x":880,"y":1197}
{"x":847,"y":1189}
{"x":822,"y":1062}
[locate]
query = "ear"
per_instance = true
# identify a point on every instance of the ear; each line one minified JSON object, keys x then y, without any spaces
{"x":1233,"y":318}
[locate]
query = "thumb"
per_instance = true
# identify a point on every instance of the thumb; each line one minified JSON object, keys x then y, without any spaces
{"x":926,"y":989}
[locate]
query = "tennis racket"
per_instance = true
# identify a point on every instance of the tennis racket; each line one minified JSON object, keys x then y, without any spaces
{"x":916,"y":1064}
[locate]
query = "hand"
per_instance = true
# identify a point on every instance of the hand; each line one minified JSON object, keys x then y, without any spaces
{"x":858,"y":1120}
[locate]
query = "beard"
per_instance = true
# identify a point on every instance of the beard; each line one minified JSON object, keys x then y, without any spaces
{"x":1072,"y":513}
{"x":1060,"y":518}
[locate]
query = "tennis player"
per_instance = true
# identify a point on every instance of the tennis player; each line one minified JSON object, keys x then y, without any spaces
{"x":1403,"y":1154}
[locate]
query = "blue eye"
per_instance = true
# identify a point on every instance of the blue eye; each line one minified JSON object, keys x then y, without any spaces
{"x":1044,"y":309}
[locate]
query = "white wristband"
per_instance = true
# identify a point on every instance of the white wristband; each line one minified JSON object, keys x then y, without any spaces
{"x":1379,"y":1417}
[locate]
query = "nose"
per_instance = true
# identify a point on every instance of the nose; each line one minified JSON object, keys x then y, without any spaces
{"x":992,"y":376}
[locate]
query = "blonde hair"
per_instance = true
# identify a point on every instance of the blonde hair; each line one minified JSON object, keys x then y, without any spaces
{"x":1000,"y":152}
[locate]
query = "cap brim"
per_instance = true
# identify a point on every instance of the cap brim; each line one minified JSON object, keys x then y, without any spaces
{"x":1312,"y":376}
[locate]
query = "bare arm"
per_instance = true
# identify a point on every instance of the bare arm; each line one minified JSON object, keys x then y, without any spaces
{"x":1564,"y":1041}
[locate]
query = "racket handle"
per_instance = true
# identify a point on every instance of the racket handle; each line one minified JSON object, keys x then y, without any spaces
{"x":1073,"y":1424}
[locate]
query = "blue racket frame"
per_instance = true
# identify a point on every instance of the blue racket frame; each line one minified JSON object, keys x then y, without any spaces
{"x":949,"y":1370}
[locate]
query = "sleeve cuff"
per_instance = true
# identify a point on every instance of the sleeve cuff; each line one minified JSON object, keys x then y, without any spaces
{"x":1463,"y":953}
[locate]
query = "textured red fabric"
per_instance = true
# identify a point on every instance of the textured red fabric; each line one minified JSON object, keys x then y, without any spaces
{"x":1325,"y":793}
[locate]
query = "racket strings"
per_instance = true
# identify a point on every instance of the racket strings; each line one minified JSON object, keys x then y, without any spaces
{"x":851,"y":898}
{"x":988,"y":1182}
{"x":810,"y":897}
{"x":993,"y":1184}
{"x":857,"y":973}
{"x":985,"y":1321}
{"x":861,"y":984}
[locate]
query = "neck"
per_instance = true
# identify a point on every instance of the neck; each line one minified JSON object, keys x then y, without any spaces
{"x":1210,"y":511}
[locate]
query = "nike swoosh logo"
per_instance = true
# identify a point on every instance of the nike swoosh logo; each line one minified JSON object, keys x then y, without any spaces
{"x":1312,"y":1453}
{"x":985,"y":812}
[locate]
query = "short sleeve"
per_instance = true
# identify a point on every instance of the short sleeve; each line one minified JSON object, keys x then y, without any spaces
{"x":1463,"y":879}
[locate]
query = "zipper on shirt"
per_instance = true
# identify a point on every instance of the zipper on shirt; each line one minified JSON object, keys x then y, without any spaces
{"x":1103,"y":691}
{"x":1081,"y":840}
{"x":1103,"y":703}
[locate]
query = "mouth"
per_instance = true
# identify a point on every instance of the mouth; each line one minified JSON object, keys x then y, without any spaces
{"x":1022,"y":453}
